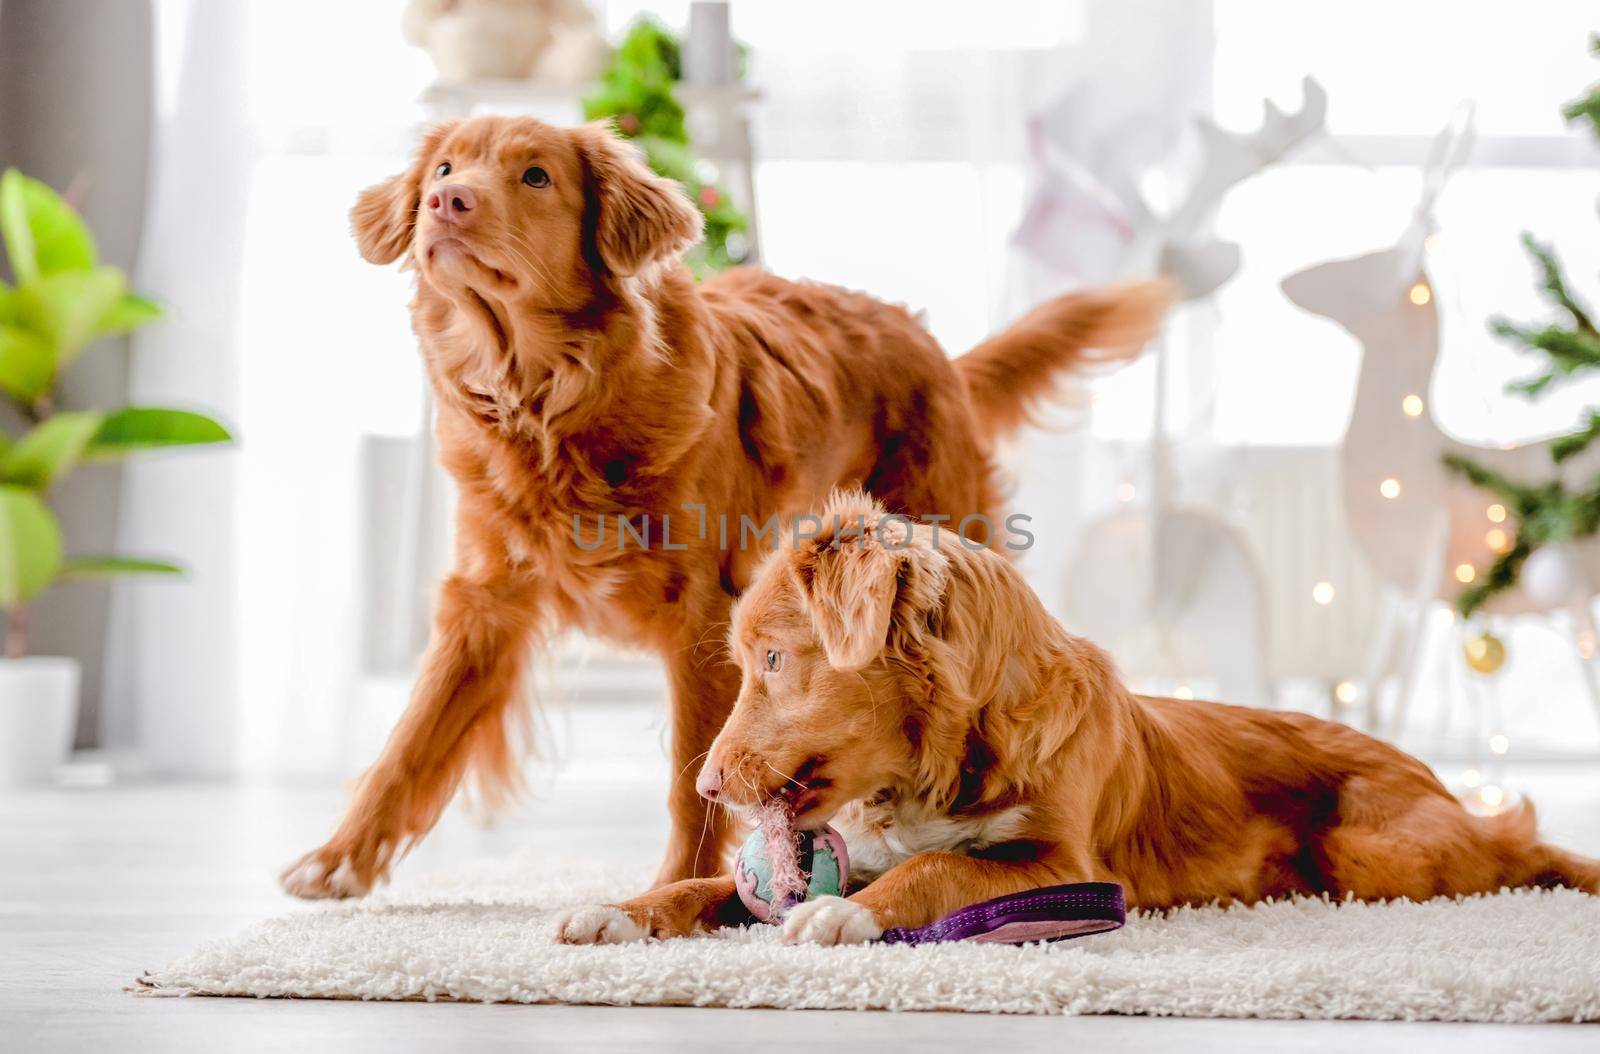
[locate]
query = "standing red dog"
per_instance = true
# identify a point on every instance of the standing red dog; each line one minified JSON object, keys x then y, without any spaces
{"x":583,"y":375}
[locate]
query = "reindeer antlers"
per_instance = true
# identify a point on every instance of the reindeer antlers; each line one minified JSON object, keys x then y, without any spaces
{"x":1088,"y":217}
{"x":1198,"y":263}
{"x":1229,"y":158}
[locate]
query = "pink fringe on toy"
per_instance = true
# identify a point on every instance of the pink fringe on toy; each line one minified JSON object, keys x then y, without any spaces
{"x":788,"y":882}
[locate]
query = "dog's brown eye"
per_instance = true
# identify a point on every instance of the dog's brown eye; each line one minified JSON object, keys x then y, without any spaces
{"x":774,"y":661}
{"x":442,"y":171}
{"x":536,"y":177}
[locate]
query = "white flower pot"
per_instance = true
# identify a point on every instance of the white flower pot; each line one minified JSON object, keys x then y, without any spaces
{"x":38,"y":716}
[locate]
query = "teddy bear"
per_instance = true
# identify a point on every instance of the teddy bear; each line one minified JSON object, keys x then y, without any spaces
{"x":555,"y":40}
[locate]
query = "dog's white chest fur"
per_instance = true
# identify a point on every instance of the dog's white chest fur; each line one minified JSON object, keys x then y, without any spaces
{"x":878,"y":837}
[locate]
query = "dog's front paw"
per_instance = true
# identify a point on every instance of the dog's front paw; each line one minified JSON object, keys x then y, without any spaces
{"x":599,"y":924}
{"x":330,"y":873}
{"x":830,"y":920}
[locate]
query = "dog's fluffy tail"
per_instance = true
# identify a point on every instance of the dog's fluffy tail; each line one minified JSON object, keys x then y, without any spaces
{"x":1567,"y":869}
{"x":1012,"y":371}
{"x":1531,"y":862}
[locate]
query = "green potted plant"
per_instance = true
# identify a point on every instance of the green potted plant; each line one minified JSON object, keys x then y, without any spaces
{"x":638,"y":90}
{"x":62,"y":301}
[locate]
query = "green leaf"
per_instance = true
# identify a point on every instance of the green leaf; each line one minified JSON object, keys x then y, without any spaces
{"x":66,"y":308}
{"x":8,"y":303}
{"x":30,"y":546}
{"x":43,"y":235}
{"x":143,"y":427}
{"x":14,"y":227}
{"x":49,"y":450}
{"x":27,"y":363}
{"x":107,"y":566}
{"x":129,"y":313}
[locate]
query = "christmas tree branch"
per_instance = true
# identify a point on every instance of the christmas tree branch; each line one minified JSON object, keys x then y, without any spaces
{"x":1542,"y":514}
{"x":1549,"y":512}
{"x":1587,"y":108}
{"x":1554,"y":283}
{"x":1501,"y":576}
{"x":1568,"y":350}
{"x":1515,"y":495}
{"x":1574,"y":443}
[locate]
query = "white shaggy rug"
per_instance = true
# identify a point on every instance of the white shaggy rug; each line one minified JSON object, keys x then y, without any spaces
{"x":482,"y":932}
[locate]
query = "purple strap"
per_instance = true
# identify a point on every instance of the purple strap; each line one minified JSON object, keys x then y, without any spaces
{"x":1050,"y":913}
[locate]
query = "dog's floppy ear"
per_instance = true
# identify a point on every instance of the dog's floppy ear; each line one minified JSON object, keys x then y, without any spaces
{"x":633,"y":217}
{"x":385,"y":215}
{"x":849,"y":593}
{"x":864,"y":576}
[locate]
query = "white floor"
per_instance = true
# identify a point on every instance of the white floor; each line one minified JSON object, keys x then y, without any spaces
{"x":97,"y":885}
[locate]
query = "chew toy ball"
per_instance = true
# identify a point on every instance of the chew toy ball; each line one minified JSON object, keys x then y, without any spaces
{"x":779,"y":867}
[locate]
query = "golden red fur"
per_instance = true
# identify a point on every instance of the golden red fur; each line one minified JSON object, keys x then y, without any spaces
{"x":580,"y":371}
{"x":915,"y":693}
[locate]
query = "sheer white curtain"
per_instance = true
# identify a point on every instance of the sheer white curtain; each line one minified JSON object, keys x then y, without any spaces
{"x":172,"y":671}
{"x":272,"y":116}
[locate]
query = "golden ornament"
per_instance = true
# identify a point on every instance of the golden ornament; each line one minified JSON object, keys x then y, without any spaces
{"x":1485,"y":653}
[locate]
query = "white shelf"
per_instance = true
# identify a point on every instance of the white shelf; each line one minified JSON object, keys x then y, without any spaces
{"x":515,"y":93}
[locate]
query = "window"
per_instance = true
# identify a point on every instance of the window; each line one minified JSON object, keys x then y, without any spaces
{"x":1394,"y":74}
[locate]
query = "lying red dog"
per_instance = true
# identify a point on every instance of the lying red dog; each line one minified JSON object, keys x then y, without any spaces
{"x":914,"y":693}
{"x":581,"y":372}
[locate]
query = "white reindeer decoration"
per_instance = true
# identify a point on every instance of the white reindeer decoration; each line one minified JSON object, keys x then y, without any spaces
{"x":1425,"y":530}
{"x":1197,"y":589}
{"x":1088,"y":218}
